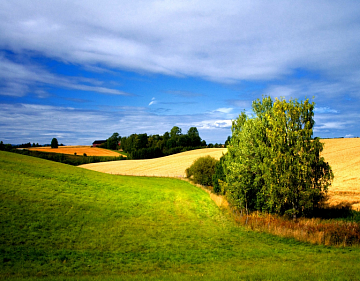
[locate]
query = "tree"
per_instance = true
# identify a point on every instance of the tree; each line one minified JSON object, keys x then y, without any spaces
{"x":175,"y":132}
{"x":194,"y":137}
{"x":273,"y":164}
{"x":54,"y":143}
{"x":113,"y":141}
{"x":202,"y":170}
{"x":227,"y":141}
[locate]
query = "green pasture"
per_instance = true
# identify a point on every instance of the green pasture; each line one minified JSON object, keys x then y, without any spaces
{"x":59,"y":222}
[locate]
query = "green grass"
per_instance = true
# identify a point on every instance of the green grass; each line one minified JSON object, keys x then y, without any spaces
{"x":66,"y":223}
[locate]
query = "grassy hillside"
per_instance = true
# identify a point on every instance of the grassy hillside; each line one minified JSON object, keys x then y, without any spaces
{"x":169,"y":166}
{"x":59,"y":220}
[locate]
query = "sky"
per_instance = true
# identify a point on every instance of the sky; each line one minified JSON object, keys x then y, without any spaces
{"x":82,"y":70}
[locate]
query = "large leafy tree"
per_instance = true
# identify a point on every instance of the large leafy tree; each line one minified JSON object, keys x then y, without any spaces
{"x":273,"y":164}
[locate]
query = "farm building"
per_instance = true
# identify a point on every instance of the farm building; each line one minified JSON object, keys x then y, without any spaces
{"x":98,"y":142}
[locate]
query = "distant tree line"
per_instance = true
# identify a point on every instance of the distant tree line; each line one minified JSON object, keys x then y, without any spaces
{"x":144,"y":146}
{"x":9,"y":147}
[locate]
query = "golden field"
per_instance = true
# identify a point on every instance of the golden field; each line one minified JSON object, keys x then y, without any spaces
{"x":168,"y":166}
{"x":79,"y":150}
{"x":343,"y":156}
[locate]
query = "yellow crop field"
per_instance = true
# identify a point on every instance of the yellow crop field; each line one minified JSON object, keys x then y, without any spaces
{"x":168,"y":166}
{"x":343,"y":156}
{"x":79,"y":150}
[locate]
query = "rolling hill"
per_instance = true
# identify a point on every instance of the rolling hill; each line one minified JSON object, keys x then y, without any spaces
{"x":61,"y":222}
{"x":169,"y":166}
{"x":342,"y":154}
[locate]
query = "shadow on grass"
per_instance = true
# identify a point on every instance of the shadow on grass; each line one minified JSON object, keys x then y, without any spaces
{"x":342,"y":211}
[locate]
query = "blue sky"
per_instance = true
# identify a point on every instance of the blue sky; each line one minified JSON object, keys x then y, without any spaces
{"x":82,"y":70}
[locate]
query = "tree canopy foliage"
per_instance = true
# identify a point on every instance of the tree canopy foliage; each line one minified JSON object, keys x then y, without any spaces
{"x":273,"y":164}
{"x":218,"y":178}
{"x":54,"y":143}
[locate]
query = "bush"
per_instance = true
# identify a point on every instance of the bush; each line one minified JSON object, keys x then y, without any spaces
{"x":202,"y":170}
{"x":219,"y":175}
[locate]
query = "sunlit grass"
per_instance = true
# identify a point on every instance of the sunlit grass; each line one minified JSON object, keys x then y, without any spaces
{"x":59,"y":220}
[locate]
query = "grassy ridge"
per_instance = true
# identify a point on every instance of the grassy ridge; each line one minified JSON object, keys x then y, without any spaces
{"x":62,"y":220}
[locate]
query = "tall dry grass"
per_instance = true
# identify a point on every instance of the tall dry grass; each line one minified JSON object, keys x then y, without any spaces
{"x":315,"y":230}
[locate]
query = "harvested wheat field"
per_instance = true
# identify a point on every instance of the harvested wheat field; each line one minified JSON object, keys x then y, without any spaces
{"x":169,"y":166}
{"x":343,"y":156}
{"x":79,"y":150}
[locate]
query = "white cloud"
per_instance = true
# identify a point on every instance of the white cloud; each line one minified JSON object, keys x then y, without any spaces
{"x":349,"y":136}
{"x":222,"y":41}
{"x":325,"y":110}
{"x":19,"y":78}
{"x":153,"y":101}
{"x":23,"y":123}
{"x":214,"y":124}
{"x":330,"y":126}
{"x":224,"y":110}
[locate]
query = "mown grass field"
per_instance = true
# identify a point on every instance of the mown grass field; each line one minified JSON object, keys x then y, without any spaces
{"x":79,"y":150}
{"x":61,"y":222}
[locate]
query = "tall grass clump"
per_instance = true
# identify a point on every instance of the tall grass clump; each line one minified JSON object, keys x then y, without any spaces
{"x":329,"y":232}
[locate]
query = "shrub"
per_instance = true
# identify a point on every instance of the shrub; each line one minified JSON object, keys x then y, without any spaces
{"x":219,"y":175}
{"x":202,"y":170}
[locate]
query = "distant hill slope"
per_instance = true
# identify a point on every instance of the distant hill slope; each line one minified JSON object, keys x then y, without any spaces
{"x":169,"y":166}
{"x":342,"y":154}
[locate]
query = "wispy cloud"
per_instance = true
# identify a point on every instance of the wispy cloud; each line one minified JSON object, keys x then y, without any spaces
{"x":291,"y":49}
{"x":153,"y":101}
{"x":325,"y":110}
{"x":37,"y":123}
{"x":224,"y":110}
{"x":19,"y":79}
{"x":212,"y":40}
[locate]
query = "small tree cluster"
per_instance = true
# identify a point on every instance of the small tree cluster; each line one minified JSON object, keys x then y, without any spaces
{"x":202,"y":170}
{"x":273,"y":164}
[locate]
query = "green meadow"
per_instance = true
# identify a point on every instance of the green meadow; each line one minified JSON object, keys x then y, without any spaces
{"x":60,"y":222}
